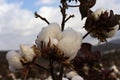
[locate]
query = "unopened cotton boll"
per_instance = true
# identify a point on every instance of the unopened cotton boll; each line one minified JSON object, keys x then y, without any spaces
{"x":27,"y":52}
{"x":13,"y":59}
{"x":48,"y":33}
{"x":70,"y":42}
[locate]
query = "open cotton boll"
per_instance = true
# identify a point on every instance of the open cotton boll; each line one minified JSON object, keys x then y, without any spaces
{"x":27,"y":52}
{"x":112,"y":32}
{"x":70,"y":42}
{"x":48,"y":33}
{"x":13,"y":59}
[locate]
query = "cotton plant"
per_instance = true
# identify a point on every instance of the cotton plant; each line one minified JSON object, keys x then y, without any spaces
{"x":57,"y":45}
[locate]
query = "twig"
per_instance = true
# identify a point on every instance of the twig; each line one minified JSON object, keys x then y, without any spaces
{"x":44,"y":19}
{"x":26,"y":74}
{"x":71,"y":16}
{"x":63,"y":11}
{"x":73,"y":5}
{"x":52,"y":68}
{"x":38,"y":65}
{"x":61,"y":71}
{"x":88,"y":33}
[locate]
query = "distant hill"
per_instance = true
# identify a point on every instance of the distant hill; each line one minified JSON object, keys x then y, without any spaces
{"x":2,"y":56}
{"x":107,"y":47}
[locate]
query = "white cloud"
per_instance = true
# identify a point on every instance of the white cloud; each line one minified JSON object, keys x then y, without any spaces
{"x":47,"y":1}
{"x":50,"y":13}
{"x":17,"y":26}
{"x":40,"y":2}
{"x":53,"y":15}
{"x":108,"y":4}
{"x":1,"y":2}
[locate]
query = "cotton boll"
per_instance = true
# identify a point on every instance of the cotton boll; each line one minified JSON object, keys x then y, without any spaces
{"x":112,"y":32}
{"x":48,"y":33}
{"x":13,"y":59}
{"x":27,"y":52}
{"x":70,"y":43}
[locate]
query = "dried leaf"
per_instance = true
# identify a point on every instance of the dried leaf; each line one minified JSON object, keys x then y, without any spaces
{"x":85,"y":6}
{"x":63,"y":1}
{"x":89,"y":21}
{"x":88,"y":3}
{"x":83,"y":10}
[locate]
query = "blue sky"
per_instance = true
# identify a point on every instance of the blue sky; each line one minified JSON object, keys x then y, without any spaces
{"x":34,"y":5}
{"x":18,"y":25}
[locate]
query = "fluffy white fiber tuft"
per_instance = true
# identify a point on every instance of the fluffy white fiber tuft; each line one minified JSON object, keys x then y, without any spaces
{"x":13,"y":59}
{"x":70,"y":42}
{"x":27,"y":52}
{"x":49,"y":33}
